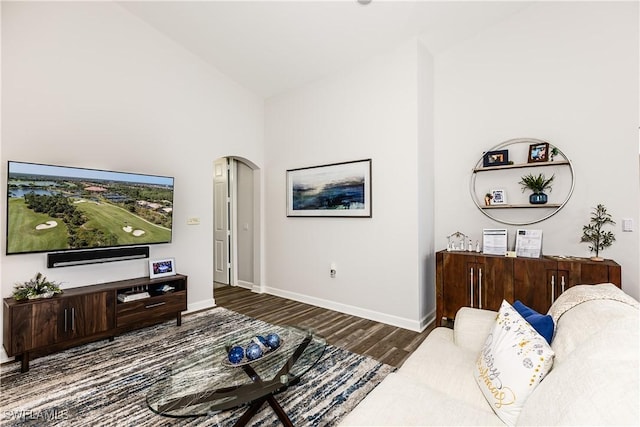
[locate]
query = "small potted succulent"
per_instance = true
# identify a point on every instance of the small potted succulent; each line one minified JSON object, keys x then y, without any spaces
{"x":594,"y":234}
{"x":537,"y":184}
{"x":37,"y":287}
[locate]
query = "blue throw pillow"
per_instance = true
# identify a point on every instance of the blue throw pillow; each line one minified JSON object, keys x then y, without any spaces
{"x":543,"y":324}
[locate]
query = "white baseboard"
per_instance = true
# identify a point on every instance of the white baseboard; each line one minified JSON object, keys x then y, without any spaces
{"x":245,"y":285}
{"x":200,"y":305}
{"x":427,"y":320}
{"x":397,"y":321}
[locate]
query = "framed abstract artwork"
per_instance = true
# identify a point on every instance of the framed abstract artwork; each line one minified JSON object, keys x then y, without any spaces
{"x":333,"y":190}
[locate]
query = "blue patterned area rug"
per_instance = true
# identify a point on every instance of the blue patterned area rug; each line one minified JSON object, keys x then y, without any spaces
{"x":105,"y":383}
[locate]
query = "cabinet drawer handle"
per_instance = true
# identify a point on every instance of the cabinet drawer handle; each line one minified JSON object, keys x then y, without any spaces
{"x":479,"y":288}
{"x":471,"y":287}
{"x":562,"y":284}
{"x":66,"y":320}
{"x":158,"y":304}
{"x":553,"y":289}
{"x":73,"y":319}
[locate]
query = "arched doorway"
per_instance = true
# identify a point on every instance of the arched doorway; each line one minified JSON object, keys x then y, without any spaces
{"x":236,"y":231}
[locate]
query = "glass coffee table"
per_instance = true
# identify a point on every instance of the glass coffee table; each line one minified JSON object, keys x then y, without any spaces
{"x":206,"y":382}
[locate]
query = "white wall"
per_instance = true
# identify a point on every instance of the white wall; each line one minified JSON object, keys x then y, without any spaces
{"x":368,"y":111}
{"x":87,"y":84}
{"x":566,"y":72}
{"x":426,"y":185}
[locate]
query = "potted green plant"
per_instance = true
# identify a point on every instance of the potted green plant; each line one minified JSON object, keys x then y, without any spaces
{"x":537,"y":184}
{"x":37,"y":287}
{"x":594,"y":234}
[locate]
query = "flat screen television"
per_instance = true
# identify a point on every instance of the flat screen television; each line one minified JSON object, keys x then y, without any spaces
{"x":59,"y":208}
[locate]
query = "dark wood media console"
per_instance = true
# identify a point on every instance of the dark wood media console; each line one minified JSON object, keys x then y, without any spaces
{"x":80,"y":315}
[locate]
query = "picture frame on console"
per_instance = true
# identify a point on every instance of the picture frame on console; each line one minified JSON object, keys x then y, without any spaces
{"x":332,"y":190}
{"x":162,"y":268}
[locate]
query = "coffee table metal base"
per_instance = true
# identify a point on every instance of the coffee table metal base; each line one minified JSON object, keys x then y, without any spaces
{"x":255,"y":407}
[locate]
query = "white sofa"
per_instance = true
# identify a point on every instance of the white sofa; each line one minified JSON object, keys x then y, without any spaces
{"x":595,"y":378}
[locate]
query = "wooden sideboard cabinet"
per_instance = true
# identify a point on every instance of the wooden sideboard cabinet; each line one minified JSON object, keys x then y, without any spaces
{"x":539,"y":282}
{"x":468,"y":279}
{"x":88,"y":313}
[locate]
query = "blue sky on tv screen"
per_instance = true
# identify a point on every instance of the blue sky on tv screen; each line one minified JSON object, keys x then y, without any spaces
{"x":91,"y":174}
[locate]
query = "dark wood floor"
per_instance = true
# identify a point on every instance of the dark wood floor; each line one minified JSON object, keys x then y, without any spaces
{"x":388,"y":344}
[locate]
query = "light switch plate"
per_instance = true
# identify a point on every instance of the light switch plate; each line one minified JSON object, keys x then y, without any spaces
{"x":193,"y":221}
{"x":627,"y":224}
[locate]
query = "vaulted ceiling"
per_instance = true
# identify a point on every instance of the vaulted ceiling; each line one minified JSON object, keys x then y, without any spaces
{"x":273,"y":46}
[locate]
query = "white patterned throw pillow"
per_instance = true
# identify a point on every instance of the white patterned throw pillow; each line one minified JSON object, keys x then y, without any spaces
{"x":512,"y":362}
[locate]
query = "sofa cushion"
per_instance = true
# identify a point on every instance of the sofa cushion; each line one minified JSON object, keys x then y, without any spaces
{"x":440,"y":364}
{"x":471,"y":327}
{"x":400,"y":400}
{"x":540,"y":322}
{"x":513,"y":361}
{"x":595,"y":384}
{"x":585,"y":320}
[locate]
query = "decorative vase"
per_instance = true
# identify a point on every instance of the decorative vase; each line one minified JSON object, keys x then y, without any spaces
{"x":538,"y":199}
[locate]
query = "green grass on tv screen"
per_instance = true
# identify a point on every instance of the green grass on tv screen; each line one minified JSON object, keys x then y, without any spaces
{"x":104,"y":224}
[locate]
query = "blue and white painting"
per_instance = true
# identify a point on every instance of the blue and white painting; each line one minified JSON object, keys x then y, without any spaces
{"x":341,"y":189}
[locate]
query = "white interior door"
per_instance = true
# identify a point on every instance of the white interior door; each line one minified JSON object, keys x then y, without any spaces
{"x":222,"y":211}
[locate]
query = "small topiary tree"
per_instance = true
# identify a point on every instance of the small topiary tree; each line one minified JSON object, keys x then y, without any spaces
{"x":593,"y":233}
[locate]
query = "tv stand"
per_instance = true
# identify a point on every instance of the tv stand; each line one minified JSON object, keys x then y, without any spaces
{"x":84,"y":314}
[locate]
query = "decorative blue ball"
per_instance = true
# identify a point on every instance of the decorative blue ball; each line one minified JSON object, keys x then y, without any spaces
{"x":253,"y":351}
{"x":236,"y":354}
{"x":262,"y":343}
{"x":273,"y":341}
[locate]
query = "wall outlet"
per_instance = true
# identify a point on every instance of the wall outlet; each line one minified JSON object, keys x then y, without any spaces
{"x":332,"y":270}
{"x":627,"y":224}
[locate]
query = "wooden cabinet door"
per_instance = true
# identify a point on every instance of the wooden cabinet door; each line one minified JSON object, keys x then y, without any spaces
{"x":495,"y":282}
{"x":453,"y":284}
{"x":35,"y":325}
{"x":471,"y":280}
{"x":591,"y":272}
{"x":89,"y":314}
{"x":535,"y":283}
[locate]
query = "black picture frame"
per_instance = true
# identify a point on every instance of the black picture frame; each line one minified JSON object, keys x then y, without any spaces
{"x":333,"y":190}
{"x":495,"y":158}
{"x":538,"y":152}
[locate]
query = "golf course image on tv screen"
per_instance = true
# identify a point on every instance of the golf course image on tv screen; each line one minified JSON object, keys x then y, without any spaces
{"x":56,"y":208}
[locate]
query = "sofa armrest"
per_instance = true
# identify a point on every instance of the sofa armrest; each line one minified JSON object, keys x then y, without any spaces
{"x":471,"y":327}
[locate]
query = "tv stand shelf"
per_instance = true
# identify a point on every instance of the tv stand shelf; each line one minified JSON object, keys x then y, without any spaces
{"x":89,"y":313}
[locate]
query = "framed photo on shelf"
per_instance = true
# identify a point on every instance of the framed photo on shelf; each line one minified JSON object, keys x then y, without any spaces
{"x":495,"y":158}
{"x":333,"y":190}
{"x":539,"y":152}
{"x":162,"y":267}
{"x":499,"y":197}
